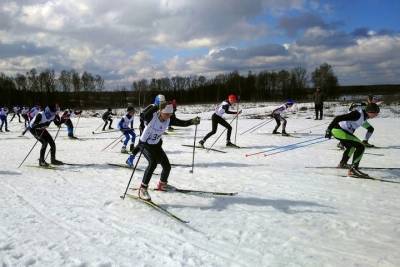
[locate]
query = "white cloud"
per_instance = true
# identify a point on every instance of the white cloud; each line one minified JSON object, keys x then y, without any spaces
{"x":114,"y":39}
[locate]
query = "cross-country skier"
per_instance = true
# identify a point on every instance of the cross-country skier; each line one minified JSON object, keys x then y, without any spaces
{"x":217,"y":118}
{"x":107,"y":117}
{"x":126,"y":127}
{"x":31,"y":114}
{"x":66,"y":119}
{"x":343,"y":127}
{"x":277,"y":115}
{"x":158,"y":104}
{"x":24,"y":114}
{"x":38,"y":127}
{"x":3,"y":118}
{"x":366,"y":125}
{"x":157,"y":123}
{"x":17,"y":112}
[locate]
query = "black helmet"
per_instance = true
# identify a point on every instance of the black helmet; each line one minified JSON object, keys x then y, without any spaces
{"x":372,"y":108}
{"x":130,"y":108}
{"x":108,"y":109}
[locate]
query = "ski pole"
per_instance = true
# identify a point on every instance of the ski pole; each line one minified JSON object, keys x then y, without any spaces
{"x":257,"y":125}
{"x":282,"y":147}
{"x":120,"y":140}
{"x":311,"y":127}
{"x":133,"y":171}
{"x":237,"y":120}
{"x":54,"y":142}
{"x":37,"y":140}
{"x":208,"y":149}
{"x":261,"y":125}
{"x":97,"y":127}
{"x":119,"y":137}
{"x":105,"y":132}
{"x":296,"y":147}
{"x":194,"y":147}
{"x":76,"y":126}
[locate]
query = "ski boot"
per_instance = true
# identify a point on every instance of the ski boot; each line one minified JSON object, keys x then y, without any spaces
{"x":344,"y":165}
{"x":130,"y":160}
{"x":230,"y":144}
{"x":110,"y":128}
{"x":355,"y":172}
{"x":284,"y":133}
{"x":366,"y":144}
{"x":164,"y":186}
{"x":201,"y":143}
{"x":275,"y":132}
{"x":143,"y":193}
{"x":123,"y":150}
{"x":43,"y":163}
{"x":56,"y":162}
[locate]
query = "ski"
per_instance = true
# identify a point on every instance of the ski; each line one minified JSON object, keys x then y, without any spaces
{"x":279,"y":134}
{"x":127,"y":167}
{"x":157,"y":208}
{"x":192,"y":191}
{"x":49,"y":167}
{"x":233,"y":146}
{"x":207,"y":148}
{"x":78,"y":164}
{"x":181,"y":165}
{"x":370,"y":178}
{"x":74,"y":139}
{"x":365,"y":168}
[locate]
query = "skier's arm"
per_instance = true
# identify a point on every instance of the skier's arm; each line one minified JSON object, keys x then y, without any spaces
{"x":57,"y":120}
{"x":147,"y":115}
{"x":185,"y":123}
{"x":227,"y":111}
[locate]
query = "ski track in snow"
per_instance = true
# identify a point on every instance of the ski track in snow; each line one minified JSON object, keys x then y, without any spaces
{"x":284,"y":215}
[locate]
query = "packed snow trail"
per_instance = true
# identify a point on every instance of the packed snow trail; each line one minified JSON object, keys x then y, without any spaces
{"x":283,"y":215}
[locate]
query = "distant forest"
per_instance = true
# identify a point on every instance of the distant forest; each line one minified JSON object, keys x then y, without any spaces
{"x":71,"y":89}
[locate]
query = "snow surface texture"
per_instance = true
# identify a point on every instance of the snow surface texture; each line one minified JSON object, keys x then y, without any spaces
{"x":284,"y":215}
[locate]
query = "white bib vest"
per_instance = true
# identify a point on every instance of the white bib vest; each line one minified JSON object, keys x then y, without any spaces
{"x":43,"y":119}
{"x":126,"y":122}
{"x":351,"y":126}
{"x":154,"y":130}
{"x":220,"y":111}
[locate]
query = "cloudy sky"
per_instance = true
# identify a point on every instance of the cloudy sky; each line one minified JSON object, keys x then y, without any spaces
{"x":126,"y":40}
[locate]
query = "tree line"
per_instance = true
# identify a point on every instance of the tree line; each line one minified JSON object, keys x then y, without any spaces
{"x":86,"y":90}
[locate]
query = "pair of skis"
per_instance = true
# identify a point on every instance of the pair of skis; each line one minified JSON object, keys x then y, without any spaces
{"x":55,"y":167}
{"x":164,"y":211}
{"x":213,"y":149}
{"x":367,"y":177}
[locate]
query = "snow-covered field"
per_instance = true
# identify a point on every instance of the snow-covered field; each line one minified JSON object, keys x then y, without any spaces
{"x":284,"y":214}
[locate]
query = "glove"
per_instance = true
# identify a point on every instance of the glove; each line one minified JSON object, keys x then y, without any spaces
{"x":328,"y":133}
{"x":195,"y":121}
